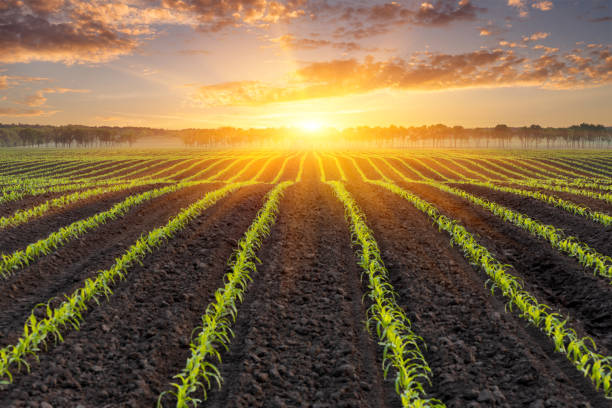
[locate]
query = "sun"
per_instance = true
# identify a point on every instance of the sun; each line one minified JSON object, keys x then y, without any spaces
{"x":310,"y":125}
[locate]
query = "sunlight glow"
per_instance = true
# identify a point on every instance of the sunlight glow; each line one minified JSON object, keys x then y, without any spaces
{"x":310,"y":125}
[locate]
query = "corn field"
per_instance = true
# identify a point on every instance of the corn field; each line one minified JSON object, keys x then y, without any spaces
{"x":388,"y":278}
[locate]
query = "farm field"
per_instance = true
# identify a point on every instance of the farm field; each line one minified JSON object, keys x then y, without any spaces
{"x":390,"y":278}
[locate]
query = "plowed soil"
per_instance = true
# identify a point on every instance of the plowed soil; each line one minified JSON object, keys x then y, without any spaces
{"x":300,"y":333}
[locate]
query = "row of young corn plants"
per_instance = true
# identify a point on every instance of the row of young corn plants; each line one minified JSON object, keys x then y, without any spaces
{"x":148,"y":164}
{"x":282,"y":169}
{"x":581,"y":352}
{"x":119,"y":172}
{"x":399,"y":173}
{"x":476,"y":163}
{"x":366,"y":158}
{"x":177,"y":175}
{"x":51,"y":170}
{"x":166,"y":170}
{"x":26,"y":168}
{"x":377,"y":169}
{"x":531,"y":172}
{"x":23,"y":257}
{"x":520,"y":176}
{"x":245,"y":168}
{"x":468,"y":173}
{"x":588,"y":257}
{"x":320,"y":167}
{"x":602,"y":162}
{"x":24,"y":215}
{"x":215,"y":332}
{"x":582,"y":183}
{"x":93,"y":171}
{"x":590,"y":171}
{"x":298,"y":178}
{"x":559,"y":172}
{"x":26,"y":191}
{"x":607,"y":197}
{"x":69,"y":313}
{"x":357,"y":167}
{"x":401,"y":346}
{"x":19,"y":166}
{"x":456,"y":173}
{"x":597,"y":170}
{"x":437,"y":173}
{"x":568,"y":206}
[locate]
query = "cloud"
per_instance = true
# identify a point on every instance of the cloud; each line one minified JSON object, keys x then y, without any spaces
{"x":520,"y":6}
{"x":217,"y":15}
{"x":26,"y":37}
{"x":95,"y":31}
{"x":193,"y":52}
{"x":446,"y":12}
{"x":543,"y":5}
{"x":3,"y":81}
{"x":535,"y":36}
{"x":601,"y":19}
{"x":39,"y":98}
{"x":425,"y":71}
{"x":15,"y":112}
{"x":368,"y":21}
{"x":485,"y":32}
{"x":289,"y":41}
{"x":505,"y":43}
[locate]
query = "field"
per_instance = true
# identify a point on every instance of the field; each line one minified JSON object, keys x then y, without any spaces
{"x":424,"y":278}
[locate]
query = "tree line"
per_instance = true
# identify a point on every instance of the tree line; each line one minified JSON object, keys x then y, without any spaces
{"x":435,"y":136}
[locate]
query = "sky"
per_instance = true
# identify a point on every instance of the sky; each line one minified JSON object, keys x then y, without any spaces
{"x":258,"y":63}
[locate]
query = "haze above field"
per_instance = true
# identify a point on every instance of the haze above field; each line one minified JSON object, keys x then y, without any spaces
{"x":257,"y":63}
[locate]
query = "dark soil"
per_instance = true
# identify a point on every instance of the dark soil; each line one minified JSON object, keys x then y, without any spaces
{"x":300,"y":338}
{"x":130,"y":346}
{"x":592,"y":203}
{"x":14,"y":238}
{"x":97,"y":171}
{"x":300,"y":335}
{"x":176,"y":170}
{"x":64,"y":270}
{"x":329,"y":165}
{"x":563,"y":166}
{"x":480,"y":355}
{"x":554,"y":278}
{"x":594,"y":234}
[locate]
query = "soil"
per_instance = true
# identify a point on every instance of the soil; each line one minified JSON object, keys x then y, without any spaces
{"x":128,"y":348}
{"x":300,"y":335}
{"x":480,"y":356}
{"x":594,"y":234}
{"x":14,"y":238}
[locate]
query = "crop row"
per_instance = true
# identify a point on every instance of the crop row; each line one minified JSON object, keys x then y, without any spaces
{"x":580,"y":351}
{"x":70,"y":312}
{"x":587,"y":256}
{"x":215,"y":332}
{"x":401,"y":346}
{"x":568,"y":206}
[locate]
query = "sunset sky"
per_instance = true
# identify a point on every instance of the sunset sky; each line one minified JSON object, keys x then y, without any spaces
{"x":258,"y":63}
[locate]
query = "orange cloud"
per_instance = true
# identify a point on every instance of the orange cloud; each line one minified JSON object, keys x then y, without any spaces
{"x":536,"y":36}
{"x":25,"y":38}
{"x":39,"y":98}
{"x":483,"y":68}
{"x":92,"y":31}
{"x":25,"y":112}
{"x":289,"y":41}
{"x":543,"y":5}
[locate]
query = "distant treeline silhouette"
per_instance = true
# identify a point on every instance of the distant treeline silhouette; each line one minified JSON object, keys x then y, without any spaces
{"x":501,"y":136}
